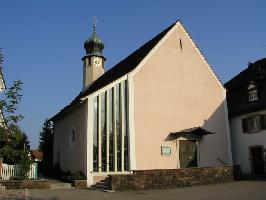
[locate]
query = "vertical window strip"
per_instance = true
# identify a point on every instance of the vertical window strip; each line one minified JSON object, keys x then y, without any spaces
{"x":95,"y":136}
{"x":111,"y":155}
{"x":118,"y":128}
{"x":107,"y":131}
{"x":122,"y":111}
{"x":114,"y":129}
{"x":126,"y":163}
{"x":111,"y":132}
{"x":99,"y":135}
{"x":103,"y":131}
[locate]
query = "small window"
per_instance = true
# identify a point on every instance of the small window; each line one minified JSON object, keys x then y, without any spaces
{"x":180,"y":45}
{"x":72,"y":137}
{"x":253,"y":95}
{"x":253,"y":124}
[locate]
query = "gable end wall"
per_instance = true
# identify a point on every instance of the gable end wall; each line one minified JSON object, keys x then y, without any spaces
{"x":175,"y":90}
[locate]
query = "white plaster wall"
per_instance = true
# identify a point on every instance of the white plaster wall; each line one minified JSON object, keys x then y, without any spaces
{"x":175,"y":90}
{"x":242,"y":141}
{"x":71,"y":158}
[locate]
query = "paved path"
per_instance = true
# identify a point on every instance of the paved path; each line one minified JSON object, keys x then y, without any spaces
{"x":241,"y":190}
{"x":13,"y":194}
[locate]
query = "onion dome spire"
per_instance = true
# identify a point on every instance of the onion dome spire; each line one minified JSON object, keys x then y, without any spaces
{"x":94,"y":44}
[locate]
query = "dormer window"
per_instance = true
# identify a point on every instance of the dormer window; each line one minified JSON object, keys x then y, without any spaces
{"x":252,"y":92}
{"x":253,"y":95}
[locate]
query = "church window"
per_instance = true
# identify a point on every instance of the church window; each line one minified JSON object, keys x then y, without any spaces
{"x":103,"y":130}
{"x":72,"y":137}
{"x":126,"y":167}
{"x":118,"y":127}
{"x":95,"y":135}
{"x":111,"y":131}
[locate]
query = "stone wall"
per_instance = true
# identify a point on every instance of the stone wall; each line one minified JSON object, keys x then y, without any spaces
{"x":169,"y":178}
{"x":80,"y":184}
{"x":28,"y":184}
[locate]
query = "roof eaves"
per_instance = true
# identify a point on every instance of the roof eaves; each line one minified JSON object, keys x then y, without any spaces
{"x":122,"y":68}
{"x":202,"y":55}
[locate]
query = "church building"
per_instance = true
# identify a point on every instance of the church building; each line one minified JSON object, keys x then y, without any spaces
{"x":162,"y":107}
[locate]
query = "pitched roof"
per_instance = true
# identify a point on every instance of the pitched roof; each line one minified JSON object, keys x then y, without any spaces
{"x":251,"y":73}
{"x":36,"y":154}
{"x":122,"y":68}
{"x":237,"y":89}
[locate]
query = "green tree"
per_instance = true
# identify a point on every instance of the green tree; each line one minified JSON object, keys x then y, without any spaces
{"x":14,"y":144}
{"x":24,"y":143}
{"x":46,"y":147}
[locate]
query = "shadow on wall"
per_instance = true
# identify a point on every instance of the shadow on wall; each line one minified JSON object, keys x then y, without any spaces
{"x":212,"y":137}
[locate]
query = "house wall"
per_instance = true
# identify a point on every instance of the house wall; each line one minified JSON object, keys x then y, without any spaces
{"x":176,"y":90}
{"x":71,"y":158}
{"x":242,"y":141}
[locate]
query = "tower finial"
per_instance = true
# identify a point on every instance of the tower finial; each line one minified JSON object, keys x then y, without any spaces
{"x":94,"y":22}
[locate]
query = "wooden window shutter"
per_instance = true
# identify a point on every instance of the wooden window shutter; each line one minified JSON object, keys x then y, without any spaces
{"x":263,"y":122}
{"x":258,"y":122}
{"x":244,"y":125}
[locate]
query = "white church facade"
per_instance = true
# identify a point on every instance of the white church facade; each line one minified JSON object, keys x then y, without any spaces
{"x":162,"y":107}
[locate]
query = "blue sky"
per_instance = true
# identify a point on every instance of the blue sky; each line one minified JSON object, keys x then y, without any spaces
{"x":43,"y":42}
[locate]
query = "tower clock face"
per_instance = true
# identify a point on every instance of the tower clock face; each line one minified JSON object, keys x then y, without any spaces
{"x":97,"y":62}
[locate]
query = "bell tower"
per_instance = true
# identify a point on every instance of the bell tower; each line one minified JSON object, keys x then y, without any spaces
{"x":93,"y":61}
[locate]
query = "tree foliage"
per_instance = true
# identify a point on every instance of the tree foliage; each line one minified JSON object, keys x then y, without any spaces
{"x":14,"y":144}
{"x":46,"y":146}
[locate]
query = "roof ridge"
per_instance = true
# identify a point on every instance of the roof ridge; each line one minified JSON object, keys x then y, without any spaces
{"x":240,"y":74}
{"x":155,"y":39}
{"x":122,"y":68}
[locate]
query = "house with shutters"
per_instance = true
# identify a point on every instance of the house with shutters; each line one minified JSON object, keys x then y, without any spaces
{"x":162,"y":107}
{"x":246,"y":97}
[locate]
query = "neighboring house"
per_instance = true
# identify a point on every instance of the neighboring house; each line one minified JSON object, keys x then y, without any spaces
{"x":246,"y":97}
{"x":162,"y":107}
{"x":36,"y":155}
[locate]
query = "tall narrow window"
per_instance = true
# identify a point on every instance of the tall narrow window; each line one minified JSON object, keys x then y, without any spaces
{"x":180,"y":45}
{"x":126,"y":167}
{"x":118,"y":127}
{"x":111,"y":131}
{"x":95,"y":135}
{"x":103,"y":130}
